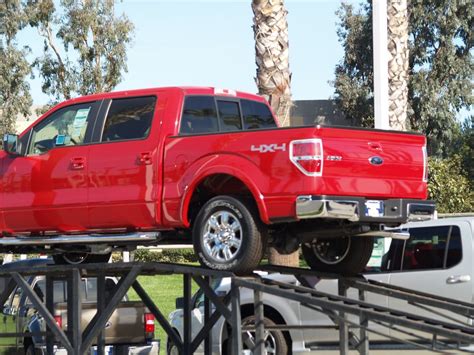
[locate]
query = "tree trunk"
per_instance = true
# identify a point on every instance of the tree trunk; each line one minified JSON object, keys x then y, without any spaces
{"x":275,"y":258}
{"x":398,"y":63}
{"x":273,"y":75}
{"x":271,"y":56}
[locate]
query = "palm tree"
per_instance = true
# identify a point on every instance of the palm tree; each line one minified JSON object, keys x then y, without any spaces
{"x":398,"y":63}
{"x":273,"y":75}
{"x":271,"y":55}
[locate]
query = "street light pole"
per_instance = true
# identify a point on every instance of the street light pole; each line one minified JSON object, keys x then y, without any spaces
{"x":380,"y":46}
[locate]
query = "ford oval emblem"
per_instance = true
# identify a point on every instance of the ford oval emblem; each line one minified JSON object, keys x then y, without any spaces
{"x":376,"y":160}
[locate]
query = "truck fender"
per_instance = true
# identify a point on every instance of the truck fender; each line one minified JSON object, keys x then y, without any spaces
{"x":228,"y":164}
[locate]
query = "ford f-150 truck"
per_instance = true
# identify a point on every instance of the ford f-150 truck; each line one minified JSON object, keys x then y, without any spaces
{"x":129,"y":330}
{"x":118,"y":169}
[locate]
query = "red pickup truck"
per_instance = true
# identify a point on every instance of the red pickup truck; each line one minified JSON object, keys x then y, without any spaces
{"x":125,"y":168}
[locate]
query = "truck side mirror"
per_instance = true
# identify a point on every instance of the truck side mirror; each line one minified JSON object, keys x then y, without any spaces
{"x":10,"y":144}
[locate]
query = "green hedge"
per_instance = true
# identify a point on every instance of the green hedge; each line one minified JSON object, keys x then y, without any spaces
{"x":165,"y":256}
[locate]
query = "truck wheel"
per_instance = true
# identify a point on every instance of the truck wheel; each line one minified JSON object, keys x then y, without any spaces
{"x":339,"y":255}
{"x":227,"y":236}
{"x":275,"y":341}
{"x":80,"y":258}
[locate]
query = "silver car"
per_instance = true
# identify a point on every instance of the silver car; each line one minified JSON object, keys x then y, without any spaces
{"x":437,"y":259}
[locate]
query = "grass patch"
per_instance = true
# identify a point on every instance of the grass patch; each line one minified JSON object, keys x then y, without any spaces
{"x":163,"y":290}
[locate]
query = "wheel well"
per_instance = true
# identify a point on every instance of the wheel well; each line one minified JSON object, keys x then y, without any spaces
{"x":269,"y":312}
{"x":215,"y":185}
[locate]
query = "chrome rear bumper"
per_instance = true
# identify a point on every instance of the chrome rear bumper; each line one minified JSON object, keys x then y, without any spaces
{"x":354,"y":209}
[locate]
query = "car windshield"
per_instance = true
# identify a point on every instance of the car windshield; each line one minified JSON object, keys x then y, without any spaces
{"x":199,"y":296}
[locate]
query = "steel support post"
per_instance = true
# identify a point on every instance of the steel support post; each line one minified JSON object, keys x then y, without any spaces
{"x":187,"y":330}
{"x":100,"y":306}
{"x":364,"y":324}
{"x":343,"y":328}
{"x":42,"y":310}
{"x":50,"y":307}
{"x":236,"y":320}
{"x":207,"y":317}
{"x":259,"y":323}
{"x":74,"y":310}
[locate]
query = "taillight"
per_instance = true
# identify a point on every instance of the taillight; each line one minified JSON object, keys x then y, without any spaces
{"x":425,"y":164}
{"x":59,"y":321}
{"x":149,"y":325}
{"x":307,"y":155}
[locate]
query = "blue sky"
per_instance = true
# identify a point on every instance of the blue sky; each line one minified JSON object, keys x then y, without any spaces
{"x":211,"y":43}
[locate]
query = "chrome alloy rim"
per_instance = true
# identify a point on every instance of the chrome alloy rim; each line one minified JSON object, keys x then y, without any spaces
{"x":222,"y":237}
{"x":331,"y":251}
{"x":249,"y":341}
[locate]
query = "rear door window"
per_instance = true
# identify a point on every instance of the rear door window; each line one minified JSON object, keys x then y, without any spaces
{"x":129,"y":118}
{"x":229,"y":116}
{"x":199,"y":115}
{"x":426,"y":248}
{"x":257,"y":115}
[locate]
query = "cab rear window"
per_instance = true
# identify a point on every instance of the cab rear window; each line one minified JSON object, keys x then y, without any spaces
{"x":256,"y":115}
{"x":209,"y":114}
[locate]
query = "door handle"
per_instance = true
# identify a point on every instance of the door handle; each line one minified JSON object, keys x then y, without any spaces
{"x":457,"y":279}
{"x":145,"y":158}
{"x":78,"y":163}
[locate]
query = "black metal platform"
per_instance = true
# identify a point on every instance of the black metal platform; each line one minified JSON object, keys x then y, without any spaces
{"x":337,"y":307}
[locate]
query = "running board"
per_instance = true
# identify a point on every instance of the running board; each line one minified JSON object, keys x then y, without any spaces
{"x":134,"y":238}
{"x":386,"y":234}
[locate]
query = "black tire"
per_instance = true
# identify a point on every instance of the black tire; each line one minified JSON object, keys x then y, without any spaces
{"x":171,"y":348}
{"x":219,"y":251}
{"x":275,"y":340}
{"x":80,"y":258}
{"x":347,"y":256}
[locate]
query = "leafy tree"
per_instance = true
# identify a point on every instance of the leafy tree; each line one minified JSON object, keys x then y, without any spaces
{"x":85,"y":46}
{"x":449,"y":186}
{"x":15,"y":96}
{"x":440,"y":67}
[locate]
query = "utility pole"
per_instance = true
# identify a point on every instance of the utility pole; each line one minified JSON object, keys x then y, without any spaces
{"x":380,"y":41}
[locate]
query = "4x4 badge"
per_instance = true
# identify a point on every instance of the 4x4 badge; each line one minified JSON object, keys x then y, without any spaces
{"x":268,"y":148}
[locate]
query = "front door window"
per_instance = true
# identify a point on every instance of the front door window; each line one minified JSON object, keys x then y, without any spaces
{"x":65,"y":127}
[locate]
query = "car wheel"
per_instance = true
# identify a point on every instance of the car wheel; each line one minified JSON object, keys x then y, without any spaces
{"x":275,"y":341}
{"x":339,"y":255}
{"x":171,"y":348}
{"x":80,"y":258}
{"x":227,"y":235}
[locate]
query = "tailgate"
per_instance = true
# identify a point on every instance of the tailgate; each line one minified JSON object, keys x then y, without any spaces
{"x":371,"y":163}
{"x":125,"y":326}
